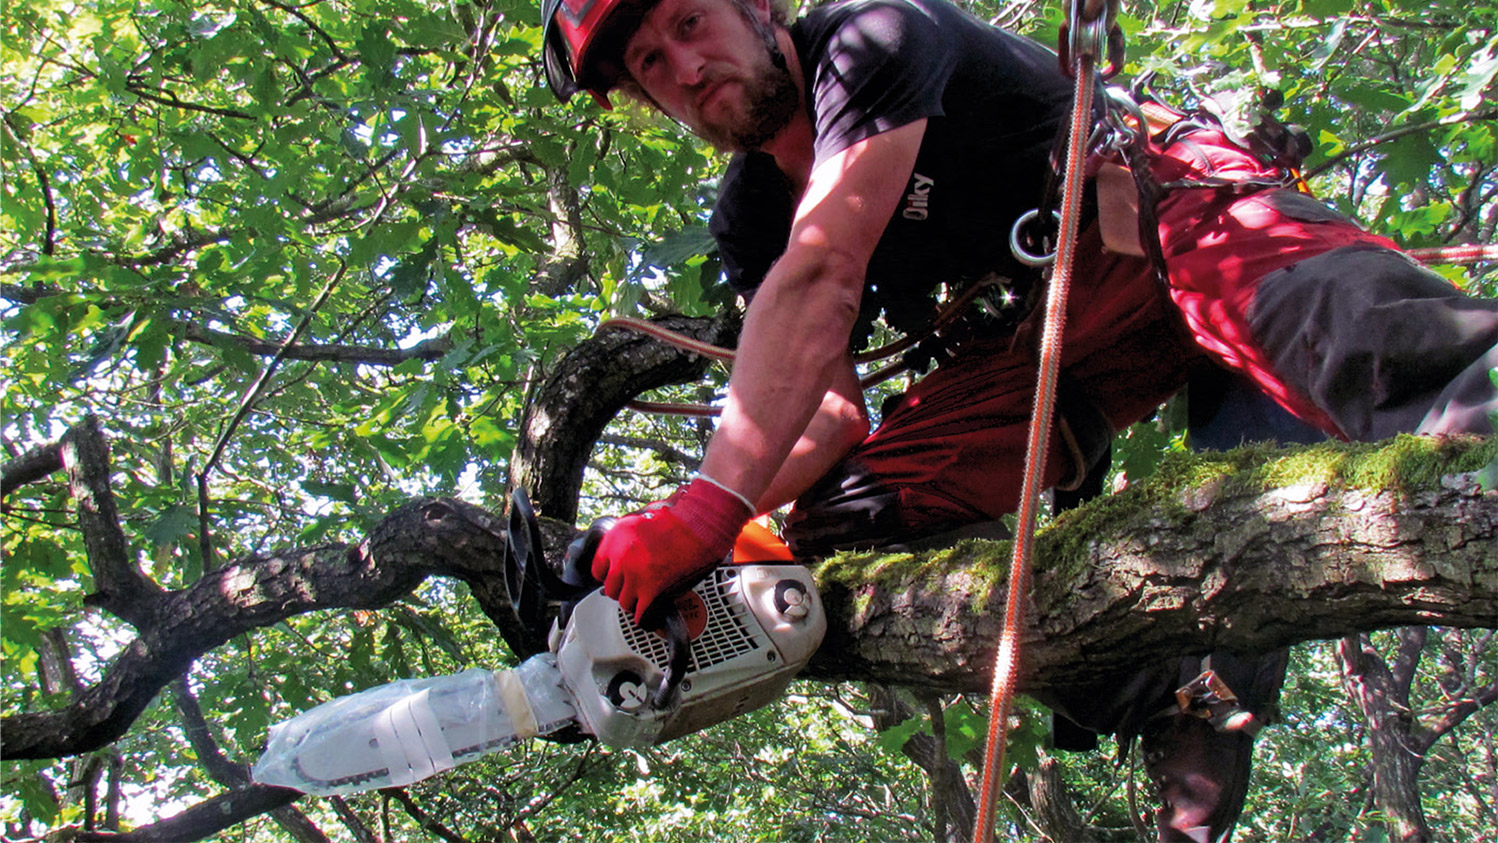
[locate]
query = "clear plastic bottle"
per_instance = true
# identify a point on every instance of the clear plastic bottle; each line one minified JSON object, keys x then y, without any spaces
{"x":406,"y":731}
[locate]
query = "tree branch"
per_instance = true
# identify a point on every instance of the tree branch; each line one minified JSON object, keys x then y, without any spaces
{"x":169,"y":98}
{"x":119,"y":586}
{"x":227,"y":773}
{"x":36,"y":464}
{"x":1396,"y":134}
{"x":431,"y":349}
{"x":423,"y":820}
{"x":424,"y":538}
{"x":1176,"y":566}
{"x":203,"y":819}
{"x":584,"y":393}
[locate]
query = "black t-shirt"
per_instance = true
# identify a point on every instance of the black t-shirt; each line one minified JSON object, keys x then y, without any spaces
{"x":993,"y":102}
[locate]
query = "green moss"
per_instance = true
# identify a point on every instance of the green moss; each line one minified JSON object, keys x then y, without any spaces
{"x":984,"y":562}
{"x":1403,"y":464}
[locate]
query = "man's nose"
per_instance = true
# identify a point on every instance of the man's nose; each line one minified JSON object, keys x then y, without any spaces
{"x":686,"y":64}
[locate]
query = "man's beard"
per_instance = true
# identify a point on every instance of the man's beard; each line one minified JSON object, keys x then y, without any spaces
{"x":770,"y":100}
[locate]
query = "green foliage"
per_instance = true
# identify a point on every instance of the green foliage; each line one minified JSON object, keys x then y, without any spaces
{"x":184,"y":182}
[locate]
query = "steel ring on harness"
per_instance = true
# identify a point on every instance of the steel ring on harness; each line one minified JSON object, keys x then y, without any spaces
{"x":1022,"y":237}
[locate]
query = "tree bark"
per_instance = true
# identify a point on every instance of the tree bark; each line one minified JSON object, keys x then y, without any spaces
{"x":207,"y":817}
{"x":1237,"y":562}
{"x":1175,"y":566}
{"x":1383,"y":696}
{"x":585,"y":392}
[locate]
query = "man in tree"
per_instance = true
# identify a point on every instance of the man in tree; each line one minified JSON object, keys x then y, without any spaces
{"x":885,"y":149}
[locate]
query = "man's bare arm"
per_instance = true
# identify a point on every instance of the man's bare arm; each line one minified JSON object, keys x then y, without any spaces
{"x":794,"y":346}
{"x":841,"y":422}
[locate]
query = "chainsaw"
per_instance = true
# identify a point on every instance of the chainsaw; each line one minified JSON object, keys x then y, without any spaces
{"x":732,"y":645}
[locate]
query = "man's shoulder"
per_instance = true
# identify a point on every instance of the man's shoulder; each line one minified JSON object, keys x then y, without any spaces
{"x":831,"y":16}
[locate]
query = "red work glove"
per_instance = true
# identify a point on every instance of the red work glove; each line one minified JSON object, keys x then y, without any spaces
{"x":663,"y":550}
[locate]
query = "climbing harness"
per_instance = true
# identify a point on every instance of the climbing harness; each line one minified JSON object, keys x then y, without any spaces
{"x":950,"y":314}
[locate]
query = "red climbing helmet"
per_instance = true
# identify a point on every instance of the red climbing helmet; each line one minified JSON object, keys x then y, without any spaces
{"x":580,"y":47}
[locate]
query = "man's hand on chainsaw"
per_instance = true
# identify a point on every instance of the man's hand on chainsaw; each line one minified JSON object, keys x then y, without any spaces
{"x":656,"y":554}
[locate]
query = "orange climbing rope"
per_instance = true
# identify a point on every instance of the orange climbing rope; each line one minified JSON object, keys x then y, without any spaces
{"x":1091,"y":34}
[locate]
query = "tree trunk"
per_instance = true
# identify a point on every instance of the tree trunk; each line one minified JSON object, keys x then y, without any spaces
{"x":1383,"y":696}
{"x":1248,"y":560}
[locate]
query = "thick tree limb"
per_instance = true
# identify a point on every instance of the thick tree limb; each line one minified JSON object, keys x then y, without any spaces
{"x":1223,"y":552}
{"x":585,"y":392}
{"x":1245,"y":552}
{"x":421,"y":539}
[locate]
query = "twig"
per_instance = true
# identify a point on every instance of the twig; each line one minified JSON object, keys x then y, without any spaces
{"x":246,"y":404}
{"x":1396,"y":134}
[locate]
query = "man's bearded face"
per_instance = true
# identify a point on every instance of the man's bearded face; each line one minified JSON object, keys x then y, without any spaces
{"x":708,"y":65}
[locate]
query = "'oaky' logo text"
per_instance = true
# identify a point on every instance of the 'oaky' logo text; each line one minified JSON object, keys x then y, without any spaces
{"x":918,"y":201}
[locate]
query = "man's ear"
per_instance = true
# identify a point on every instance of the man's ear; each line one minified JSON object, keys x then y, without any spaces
{"x":761,"y":9}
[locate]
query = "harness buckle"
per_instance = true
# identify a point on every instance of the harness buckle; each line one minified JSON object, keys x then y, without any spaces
{"x":1210,"y":698}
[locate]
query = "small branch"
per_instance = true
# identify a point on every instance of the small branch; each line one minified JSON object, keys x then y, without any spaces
{"x":205,"y":540}
{"x":352,"y":821}
{"x":170,"y":99}
{"x":44,"y":185}
{"x":312,"y":25}
{"x":56,"y":663}
{"x":204,"y":819}
{"x":432,"y":349}
{"x":662,"y":449}
{"x":1407,"y":656}
{"x":227,"y":773}
{"x":1455,"y":714}
{"x":200,"y":738}
{"x":423,"y":821}
{"x":36,"y":464}
{"x":368,"y":355}
{"x":1396,"y":134}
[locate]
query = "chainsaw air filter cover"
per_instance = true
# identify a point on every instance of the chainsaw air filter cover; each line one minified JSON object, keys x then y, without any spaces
{"x":752,"y":628}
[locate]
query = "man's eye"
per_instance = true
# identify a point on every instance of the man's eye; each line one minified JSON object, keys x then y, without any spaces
{"x":690,"y":22}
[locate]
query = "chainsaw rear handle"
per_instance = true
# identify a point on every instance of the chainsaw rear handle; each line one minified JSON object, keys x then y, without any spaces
{"x":679,"y":658}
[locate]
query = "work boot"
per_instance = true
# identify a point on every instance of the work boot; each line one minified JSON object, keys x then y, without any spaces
{"x":1199,"y":753}
{"x":1201,"y":776}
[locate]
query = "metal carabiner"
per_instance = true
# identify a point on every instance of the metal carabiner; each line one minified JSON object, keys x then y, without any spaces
{"x":1018,"y":235}
{"x":1121,"y":109}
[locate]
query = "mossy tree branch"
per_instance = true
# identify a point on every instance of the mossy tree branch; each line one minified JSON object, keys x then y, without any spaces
{"x":1246,"y":551}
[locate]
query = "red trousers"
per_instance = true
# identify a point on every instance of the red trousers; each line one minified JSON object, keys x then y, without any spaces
{"x":1326,"y":318}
